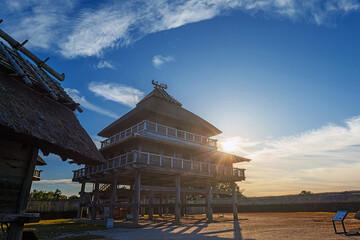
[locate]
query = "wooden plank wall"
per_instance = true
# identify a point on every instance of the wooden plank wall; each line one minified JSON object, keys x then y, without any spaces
{"x":13,"y":166}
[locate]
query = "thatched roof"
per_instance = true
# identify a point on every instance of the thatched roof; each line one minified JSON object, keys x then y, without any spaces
{"x":35,"y":110}
{"x":161,"y":107}
{"x":40,"y":161}
{"x":28,"y":117}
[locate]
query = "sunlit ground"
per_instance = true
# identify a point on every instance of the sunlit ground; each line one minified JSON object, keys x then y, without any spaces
{"x":269,"y":226}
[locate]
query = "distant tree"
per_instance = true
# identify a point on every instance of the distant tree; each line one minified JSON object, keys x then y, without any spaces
{"x":226,"y":186}
{"x":43,"y":195}
{"x":73,"y":197}
{"x":303,"y":192}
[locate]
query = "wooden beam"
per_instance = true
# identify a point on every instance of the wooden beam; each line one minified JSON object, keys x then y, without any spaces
{"x":161,"y":205}
{"x":234,"y":203}
{"x":80,"y":208}
{"x":209,"y":211}
{"x":166,"y":203}
{"x":113,"y":198}
{"x":94,"y":201}
{"x":136,"y":202}
{"x":16,"y":228}
{"x":177,"y":198}
{"x":151,"y":208}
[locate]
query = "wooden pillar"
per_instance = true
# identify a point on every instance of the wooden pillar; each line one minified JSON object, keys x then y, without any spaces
{"x":177,"y":199}
{"x":95,"y":200}
{"x":80,"y":207}
{"x":183,"y":201}
{"x":113,"y":198}
{"x":151,"y":208}
{"x":167,"y":206}
{"x":136,"y":202}
{"x":16,"y":228}
{"x":142,"y":208}
{"x":233,"y":188}
{"x":161,"y":206}
{"x":209,"y":212}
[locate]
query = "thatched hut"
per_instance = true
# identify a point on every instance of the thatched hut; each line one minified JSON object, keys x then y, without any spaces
{"x":35,"y":114}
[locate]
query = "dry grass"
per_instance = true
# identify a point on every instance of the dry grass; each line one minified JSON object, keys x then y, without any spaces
{"x":64,"y":229}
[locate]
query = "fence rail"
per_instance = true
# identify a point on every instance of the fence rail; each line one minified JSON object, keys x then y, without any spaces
{"x":162,"y":130}
{"x":157,"y":160}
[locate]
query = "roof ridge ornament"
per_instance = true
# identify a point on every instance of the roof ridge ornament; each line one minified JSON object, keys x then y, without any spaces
{"x":157,"y":85}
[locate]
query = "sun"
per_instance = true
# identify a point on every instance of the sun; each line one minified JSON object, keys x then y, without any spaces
{"x":228,"y":145}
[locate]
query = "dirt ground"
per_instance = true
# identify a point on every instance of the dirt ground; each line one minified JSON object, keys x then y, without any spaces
{"x":250,"y":226}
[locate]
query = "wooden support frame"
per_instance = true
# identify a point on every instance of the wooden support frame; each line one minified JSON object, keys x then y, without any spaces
{"x":136,"y":199}
{"x":151,"y":203}
{"x":80,"y":207}
{"x":234,"y":198}
{"x":95,"y":200}
{"x":177,"y":199}
{"x":113,"y":198}
{"x":209,"y":211}
{"x":16,"y":228}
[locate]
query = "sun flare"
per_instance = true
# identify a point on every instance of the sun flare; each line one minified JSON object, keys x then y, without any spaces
{"x":228,"y":145}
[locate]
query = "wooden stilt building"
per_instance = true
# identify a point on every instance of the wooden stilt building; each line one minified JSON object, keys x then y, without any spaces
{"x":35,"y":114}
{"x":163,"y":152}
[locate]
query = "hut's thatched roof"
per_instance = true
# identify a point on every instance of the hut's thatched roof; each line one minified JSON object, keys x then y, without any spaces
{"x":40,"y":161}
{"x":35,"y":110}
{"x":161,"y":105}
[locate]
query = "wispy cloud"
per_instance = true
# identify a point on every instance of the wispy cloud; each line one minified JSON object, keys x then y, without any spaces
{"x":159,"y":60}
{"x":116,"y":92}
{"x":75,"y":95}
{"x":324,"y":159}
{"x":97,"y":140}
{"x":56,"y":181}
{"x":105,"y":64}
{"x":78,"y":31}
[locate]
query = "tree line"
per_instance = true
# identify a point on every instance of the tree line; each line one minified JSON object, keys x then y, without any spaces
{"x":51,"y":195}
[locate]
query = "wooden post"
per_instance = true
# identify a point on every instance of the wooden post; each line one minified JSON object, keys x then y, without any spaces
{"x":183,"y":201}
{"x":177,"y":199}
{"x":209,"y":212}
{"x":113,"y":198}
{"x":95,"y":200}
{"x":16,"y":228}
{"x":167,"y":207}
{"x":142,"y":208}
{"x":233,"y":188}
{"x":136,"y":202}
{"x":82,"y":192}
{"x":151,"y":202}
{"x":161,"y":207}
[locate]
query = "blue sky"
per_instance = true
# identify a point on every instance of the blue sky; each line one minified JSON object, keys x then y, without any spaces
{"x":278,"y":77}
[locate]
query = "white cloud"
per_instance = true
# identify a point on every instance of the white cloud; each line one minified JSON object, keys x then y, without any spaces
{"x":97,"y":140}
{"x":159,"y":60}
{"x":74,"y":94}
{"x":118,"y":93}
{"x":54,"y":181}
{"x":324,"y":159}
{"x":105,"y":64}
{"x":41,"y":22}
{"x":78,"y":31}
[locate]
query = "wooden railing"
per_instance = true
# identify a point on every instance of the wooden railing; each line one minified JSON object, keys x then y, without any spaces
{"x":162,"y":130}
{"x":36,"y":175}
{"x":166,"y":162}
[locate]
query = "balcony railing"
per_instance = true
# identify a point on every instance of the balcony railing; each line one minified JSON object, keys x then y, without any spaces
{"x":36,"y":175}
{"x":166,"y":162}
{"x":162,"y":130}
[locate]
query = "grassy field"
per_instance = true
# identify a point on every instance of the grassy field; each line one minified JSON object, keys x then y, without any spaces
{"x":64,"y":229}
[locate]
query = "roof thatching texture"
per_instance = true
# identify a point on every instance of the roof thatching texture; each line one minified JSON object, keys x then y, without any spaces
{"x":30,"y":118}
